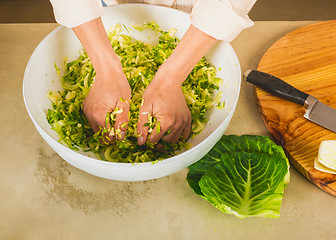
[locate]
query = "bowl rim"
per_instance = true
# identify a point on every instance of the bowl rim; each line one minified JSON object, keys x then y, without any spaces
{"x":102,"y":162}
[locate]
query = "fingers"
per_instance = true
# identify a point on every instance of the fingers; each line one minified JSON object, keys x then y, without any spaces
{"x":173,"y":136}
{"x":142,"y":126}
{"x":168,"y":128}
{"x":163,"y":125}
{"x":121,"y":121}
{"x":93,"y":125}
{"x":187,"y":130}
{"x":102,"y":124}
{"x":98,"y":121}
{"x":171,"y":129}
{"x":108,"y":137}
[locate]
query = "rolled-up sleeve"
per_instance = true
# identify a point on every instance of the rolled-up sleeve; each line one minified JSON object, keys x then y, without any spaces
{"x":71,"y":13}
{"x":222,"y":19}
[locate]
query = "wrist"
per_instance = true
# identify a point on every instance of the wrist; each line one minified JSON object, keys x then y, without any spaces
{"x":97,"y":45}
{"x":192,"y":47}
{"x":169,"y":76}
{"x":107,"y":65}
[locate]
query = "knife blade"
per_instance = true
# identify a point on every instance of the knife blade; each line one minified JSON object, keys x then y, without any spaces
{"x":316,"y":111}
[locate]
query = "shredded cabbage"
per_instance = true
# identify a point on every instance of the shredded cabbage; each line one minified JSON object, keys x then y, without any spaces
{"x":140,"y":61}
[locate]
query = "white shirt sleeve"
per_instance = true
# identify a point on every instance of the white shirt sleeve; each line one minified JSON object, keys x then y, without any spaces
{"x":72,"y":13}
{"x":222,"y":19}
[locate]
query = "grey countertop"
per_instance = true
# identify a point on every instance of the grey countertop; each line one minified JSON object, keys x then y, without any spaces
{"x":43,"y":197}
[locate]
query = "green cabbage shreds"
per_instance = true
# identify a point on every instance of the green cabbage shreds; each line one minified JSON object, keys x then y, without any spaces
{"x":140,"y":62}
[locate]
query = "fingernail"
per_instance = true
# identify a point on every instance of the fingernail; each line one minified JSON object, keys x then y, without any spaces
{"x":140,"y":140}
{"x":122,"y":135}
{"x":150,"y":139}
{"x":159,"y":147}
{"x":139,"y":133}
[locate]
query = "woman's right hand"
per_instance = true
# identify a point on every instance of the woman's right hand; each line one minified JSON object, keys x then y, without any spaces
{"x":110,"y":88}
{"x":109,"y":91}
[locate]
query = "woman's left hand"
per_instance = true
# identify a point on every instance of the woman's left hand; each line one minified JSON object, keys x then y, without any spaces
{"x":163,"y":97}
{"x":164,"y":100}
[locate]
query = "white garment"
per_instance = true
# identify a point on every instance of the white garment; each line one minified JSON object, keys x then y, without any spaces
{"x":221,"y":19}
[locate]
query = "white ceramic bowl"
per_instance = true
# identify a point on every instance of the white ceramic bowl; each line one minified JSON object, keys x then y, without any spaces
{"x":40,"y":76}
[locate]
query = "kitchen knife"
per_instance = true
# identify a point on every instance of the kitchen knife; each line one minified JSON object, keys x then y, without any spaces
{"x":316,"y":111}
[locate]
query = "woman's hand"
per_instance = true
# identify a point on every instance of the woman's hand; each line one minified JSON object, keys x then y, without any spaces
{"x":163,"y":97}
{"x":108,"y":93}
{"x":164,"y":100}
{"x":110,"y":89}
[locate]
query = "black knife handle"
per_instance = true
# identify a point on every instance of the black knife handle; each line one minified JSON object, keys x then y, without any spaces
{"x":276,"y":86}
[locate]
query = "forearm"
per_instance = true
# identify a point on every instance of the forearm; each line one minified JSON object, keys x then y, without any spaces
{"x":96,"y":43}
{"x":110,"y":85}
{"x":192,"y":47}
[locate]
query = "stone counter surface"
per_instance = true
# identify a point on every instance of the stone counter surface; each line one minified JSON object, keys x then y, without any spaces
{"x":43,"y":197}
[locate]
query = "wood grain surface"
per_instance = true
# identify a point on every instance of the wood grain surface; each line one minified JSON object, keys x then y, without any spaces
{"x":306,"y":59}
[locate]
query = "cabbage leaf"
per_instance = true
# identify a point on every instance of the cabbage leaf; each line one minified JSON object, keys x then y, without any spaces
{"x":245,"y":176}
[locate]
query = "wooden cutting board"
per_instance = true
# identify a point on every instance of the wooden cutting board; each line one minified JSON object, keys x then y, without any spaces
{"x":306,"y":59}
